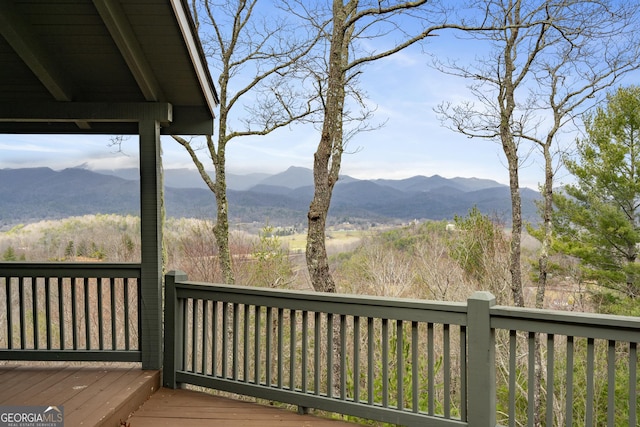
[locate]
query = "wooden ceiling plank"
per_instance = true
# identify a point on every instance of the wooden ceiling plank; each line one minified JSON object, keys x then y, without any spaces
{"x":16,"y":31}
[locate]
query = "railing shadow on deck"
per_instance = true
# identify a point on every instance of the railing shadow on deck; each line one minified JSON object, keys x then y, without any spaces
{"x":402,"y":361}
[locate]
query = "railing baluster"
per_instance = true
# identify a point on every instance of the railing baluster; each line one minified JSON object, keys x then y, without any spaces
{"x":194,"y":334}
{"x":74,"y":318}
{"x":61,"y":313}
{"x":47,"y":310}
{"x":385,"y":363}
{"x":114,"y":318}
{"x":87,"y":315}
{"x":399,"y":364}
{"x":550,"y":378}
{"x":356,"y":358}
{"x":235,"y":340}
{"x":185,"y":333}
{"x":35,"y":316}
{"x":446,"y":353}
{"x":430,"y":370}
{"x":268,"y":346}
{"x":247,"y":334}
{"x":569,"y":382}
{"x":370,"y":360}
{"x":463,"y":373}
{"x":343,"y":357}
{"x":9,"y":312}
{"x":590,"y":390}
{"x":531,"y":379}
{"x":513,"y":337}
{"x":139,"y":312}
{"x":330,"y":354}
{"x":100,"y":312}
{"x":316,"y":352}
{"x":214,"y":338}
{"x":305,"y":349}
{"x":415,"y":364}
{"x":280,"y":350}
{"x":611,"y":382}
{"x":23,"y":329}
{"x":292,"y":349}
{"x":205,"y":335}
{"x":256,"y":332}
{"x":125,"y":309}
{"x":633,"y":384}
{"x":224,"y":329}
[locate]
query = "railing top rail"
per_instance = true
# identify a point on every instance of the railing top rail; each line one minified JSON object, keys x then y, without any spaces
{"x":69,"y":269}
{"x":357,"y":305}
{"x":589,"y":325}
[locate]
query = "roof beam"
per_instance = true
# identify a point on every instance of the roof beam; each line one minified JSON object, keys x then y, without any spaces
{"x":33,"y":118}
{"x":195,"y":52}
{"x":55,"y":112}
{"x":120,"y":29}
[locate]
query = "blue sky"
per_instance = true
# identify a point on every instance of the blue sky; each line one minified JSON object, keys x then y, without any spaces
{"x":404,"y":91}
{"x":412,"y":141}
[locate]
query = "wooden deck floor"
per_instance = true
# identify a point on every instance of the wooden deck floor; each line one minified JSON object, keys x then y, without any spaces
{"x":188,"y":408}
{"x":91,"y":396}
{"x":107,"y":395}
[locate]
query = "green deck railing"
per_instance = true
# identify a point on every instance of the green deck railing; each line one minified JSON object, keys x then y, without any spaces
{"x":589,"y":366}
{"x":402,"y":361}
{"x":70,"y":312}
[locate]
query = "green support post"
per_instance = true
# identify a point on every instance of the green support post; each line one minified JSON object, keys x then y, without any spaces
{"x":481,"y":380}
{"x":173,"y":328}
{"x":151,"y":242}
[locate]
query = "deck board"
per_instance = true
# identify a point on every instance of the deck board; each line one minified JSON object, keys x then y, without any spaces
{"x":188,"y":408}
{"x":44,"y":389}
{"x":103,"y":396}
{"x":91,"y":396}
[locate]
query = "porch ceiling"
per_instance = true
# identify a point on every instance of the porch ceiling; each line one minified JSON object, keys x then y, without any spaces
{"x":97,"y":66}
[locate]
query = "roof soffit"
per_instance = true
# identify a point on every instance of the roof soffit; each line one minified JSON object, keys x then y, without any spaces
{"x":94,"y":51}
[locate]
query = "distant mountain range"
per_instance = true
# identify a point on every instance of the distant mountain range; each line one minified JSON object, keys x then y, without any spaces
{"x":33,"y":194}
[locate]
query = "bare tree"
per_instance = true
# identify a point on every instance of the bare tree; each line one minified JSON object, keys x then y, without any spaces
{"x":496,"y":79}
{"x":569,"y":83}
{"x":258,"y":57}
{"x":551,"y":57}
{"x":544,"y":69}
{"x":353,"y":23}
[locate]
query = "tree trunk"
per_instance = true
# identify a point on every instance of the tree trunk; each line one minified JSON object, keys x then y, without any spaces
{"x":511,"y":152}
{"x":219,"y":189}
{"x":327,"y":158}
{"x":506,"y":100}
{"x":516,"y":236}
{"x":221,"y":227}
{"x":547,"y":211}
{"x":221,"y":232}
{"x":316,"y":253}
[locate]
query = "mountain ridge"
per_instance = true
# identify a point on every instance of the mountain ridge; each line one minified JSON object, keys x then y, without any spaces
{"x":33,"y":194}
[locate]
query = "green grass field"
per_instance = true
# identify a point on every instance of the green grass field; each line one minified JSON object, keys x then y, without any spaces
{"x":336,"y":240}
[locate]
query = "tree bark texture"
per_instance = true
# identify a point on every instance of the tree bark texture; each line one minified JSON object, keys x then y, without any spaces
{"x":506,"y":100}
{"x":327,"y":158}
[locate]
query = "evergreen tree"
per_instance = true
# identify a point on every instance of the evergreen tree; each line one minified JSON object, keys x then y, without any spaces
{"x":9,"y":255}
{"x":598,"y":220}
